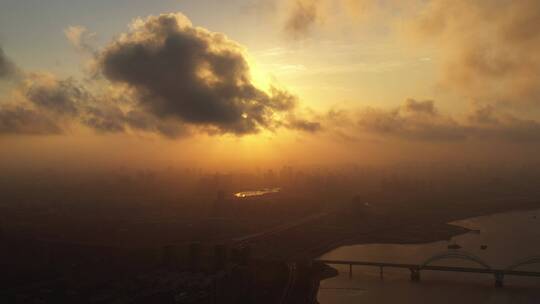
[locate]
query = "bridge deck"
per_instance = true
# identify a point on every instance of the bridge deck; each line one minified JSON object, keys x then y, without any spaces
{"x":434,"y":268}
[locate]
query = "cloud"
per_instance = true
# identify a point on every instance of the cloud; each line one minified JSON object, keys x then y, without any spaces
{"x":303,"y":15}
{"x":191,"y":75}
{"x":48,"y":105}
{"x":18,"y":120}
{"x":488,"y":47}
{"x":73,"y":103}
{"x":143,"y":121}
{"x":163,"y":77}
{"x":416,"y":120}
{"x":104,"y":119}
{"x":22,"y":117}
{"x":304,"y":125}
{"x":426,"y":106}
{"x":81,"y":38}
{"x":490,"y":123}
{"x":421,"y":121}
{"x":7,"y":68}
{"x":62,"y":97}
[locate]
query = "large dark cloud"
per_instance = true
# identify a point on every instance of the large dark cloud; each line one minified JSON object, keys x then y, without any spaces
{"x":174,"y":79}
{"x":192,"y":75}
{"x":43,"y":104}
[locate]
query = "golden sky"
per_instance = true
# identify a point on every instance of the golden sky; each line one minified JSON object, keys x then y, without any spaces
{"x":268,"y":82}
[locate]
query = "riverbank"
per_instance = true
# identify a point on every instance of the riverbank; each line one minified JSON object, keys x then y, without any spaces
{"x":389,"y":225}
{"x":429,"y":231}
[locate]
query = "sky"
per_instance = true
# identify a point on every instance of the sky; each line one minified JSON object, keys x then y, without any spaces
{"x":247,"y":83}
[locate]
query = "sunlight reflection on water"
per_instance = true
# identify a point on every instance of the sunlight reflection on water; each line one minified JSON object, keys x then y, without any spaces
{"x":260,"y":192}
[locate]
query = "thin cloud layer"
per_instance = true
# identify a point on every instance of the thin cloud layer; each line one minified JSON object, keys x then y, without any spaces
{"x":489,"y":47}
{"x":489,"y":123}
{"x":422,"y":121}
{"x":185,"y":73}
{"x":416,"y":120}
{"x":81,"y":38}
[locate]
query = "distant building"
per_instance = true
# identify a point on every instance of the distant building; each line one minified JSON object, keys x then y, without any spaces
{"x":220,"y":205}
{"x":359,"y":206}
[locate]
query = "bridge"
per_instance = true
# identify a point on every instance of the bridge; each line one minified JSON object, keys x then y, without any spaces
{"x":415,"y":269}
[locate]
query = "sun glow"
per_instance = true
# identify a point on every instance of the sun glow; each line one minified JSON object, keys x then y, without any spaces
{"x":260,"y":77}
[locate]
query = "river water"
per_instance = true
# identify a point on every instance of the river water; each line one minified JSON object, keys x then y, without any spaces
{"x":509,"y":237}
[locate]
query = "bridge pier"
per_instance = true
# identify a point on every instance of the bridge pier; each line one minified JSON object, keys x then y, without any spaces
{"x":499,"y":280}
{"x":381,"y":272}
{"x":415,"y":274}
{"x":350,"y":271}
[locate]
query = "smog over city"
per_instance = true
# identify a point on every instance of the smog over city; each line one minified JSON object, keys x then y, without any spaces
{"x":270,"y":151}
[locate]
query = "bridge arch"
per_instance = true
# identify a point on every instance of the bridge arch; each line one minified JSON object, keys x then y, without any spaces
{"x":461,"y":255}
{"x":526,"y":261}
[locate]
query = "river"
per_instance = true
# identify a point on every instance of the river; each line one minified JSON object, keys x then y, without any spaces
{"x":509,"y":237}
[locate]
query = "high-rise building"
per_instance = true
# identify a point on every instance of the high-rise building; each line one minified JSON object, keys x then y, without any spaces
{"x":220,"y":204}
